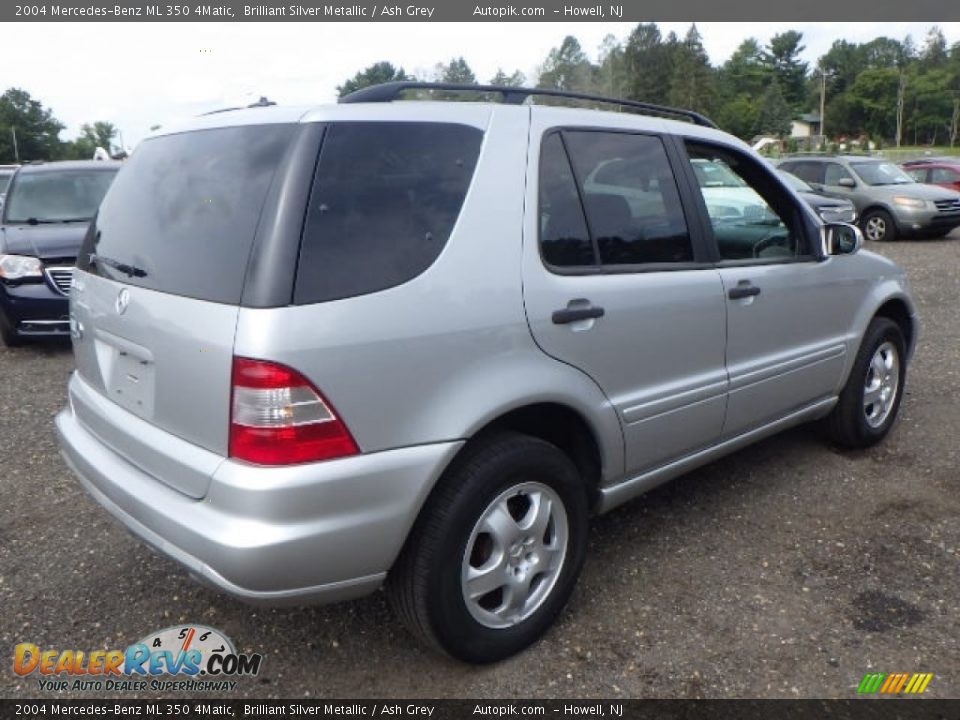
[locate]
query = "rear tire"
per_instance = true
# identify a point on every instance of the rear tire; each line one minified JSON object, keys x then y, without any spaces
{"x":878,"y":225}
{"x":870,"y":400}
{"x":496,"y":552}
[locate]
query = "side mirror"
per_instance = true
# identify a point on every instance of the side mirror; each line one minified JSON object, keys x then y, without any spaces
{"x":840,"y":239}
{"x":846,"y":182}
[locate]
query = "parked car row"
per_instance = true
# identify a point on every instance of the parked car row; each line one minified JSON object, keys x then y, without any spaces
{"x":890,"y":202}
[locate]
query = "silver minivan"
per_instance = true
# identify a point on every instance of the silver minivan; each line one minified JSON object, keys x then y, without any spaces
{"x":416,"y":344}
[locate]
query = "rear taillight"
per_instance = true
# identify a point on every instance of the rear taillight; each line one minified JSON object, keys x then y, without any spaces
{"x":278,"y":417}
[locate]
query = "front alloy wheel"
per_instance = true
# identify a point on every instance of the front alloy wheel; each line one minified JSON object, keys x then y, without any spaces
{"x":878,"y":226}
{"x":869,"y":402}
{"x":881,"y":384}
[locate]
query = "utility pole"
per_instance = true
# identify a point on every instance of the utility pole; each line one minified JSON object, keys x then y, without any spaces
{"x":823,"y":103}
{"x":16,"y":151}
{"x":901,"y":92}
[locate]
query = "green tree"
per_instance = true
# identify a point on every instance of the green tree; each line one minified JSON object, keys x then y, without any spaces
{"x":873,"y":99}
{"x":456,"y":71}
{"x":567,"y":67}
{"x":37,"y":130}
{"x":648,"y":63}
{"x":612,"y":72}
{"x":739,"y":116}
{"x":517,"y":79}
{"x":745,"y":73}
{"x":692,"y":83}
{"x":377,"y":73}
{"x":775,"y":113}
{"x":100,"y":134}
{"x":783,"y":56}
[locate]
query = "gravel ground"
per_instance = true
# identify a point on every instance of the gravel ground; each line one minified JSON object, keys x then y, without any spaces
{"x":787,"y":570}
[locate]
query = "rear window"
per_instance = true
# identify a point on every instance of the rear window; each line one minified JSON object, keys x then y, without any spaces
{"x":182,"y":215}
{"x":385,"y":199}
{"x":54,"y":196}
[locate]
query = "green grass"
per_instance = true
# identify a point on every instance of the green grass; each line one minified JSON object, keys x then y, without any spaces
{"x":913,"y":152}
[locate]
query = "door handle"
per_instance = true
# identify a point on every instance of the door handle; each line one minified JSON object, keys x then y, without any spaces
{"x":743,"y":290}
{"x":572,"y":314}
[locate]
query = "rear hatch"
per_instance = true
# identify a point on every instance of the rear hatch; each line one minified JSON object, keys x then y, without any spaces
{"x":157,"y":292}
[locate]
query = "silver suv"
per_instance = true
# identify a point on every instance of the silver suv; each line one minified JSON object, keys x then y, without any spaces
{"x":419,"y":343}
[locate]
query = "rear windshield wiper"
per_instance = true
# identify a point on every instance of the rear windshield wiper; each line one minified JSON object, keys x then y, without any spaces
{"x":128,"y":270}
{"x":39,"y":221}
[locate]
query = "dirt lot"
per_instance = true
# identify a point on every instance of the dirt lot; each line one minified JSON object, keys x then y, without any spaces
{"x":787,"y":570}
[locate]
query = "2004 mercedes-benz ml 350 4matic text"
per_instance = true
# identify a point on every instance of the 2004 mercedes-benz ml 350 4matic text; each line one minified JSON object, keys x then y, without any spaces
{"x":419,"y":343}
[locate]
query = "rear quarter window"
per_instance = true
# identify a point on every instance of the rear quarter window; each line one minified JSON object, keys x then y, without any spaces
{"x":385,"y":198}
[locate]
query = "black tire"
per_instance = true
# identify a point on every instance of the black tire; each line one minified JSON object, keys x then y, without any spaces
{"x":8,"y":334}
{"x":878,"y":225}
{"x":848,"y":424}
{"x":425,"y":587}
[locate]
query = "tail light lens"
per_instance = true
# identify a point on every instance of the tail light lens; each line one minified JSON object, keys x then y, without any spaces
{"x":278,"y":417}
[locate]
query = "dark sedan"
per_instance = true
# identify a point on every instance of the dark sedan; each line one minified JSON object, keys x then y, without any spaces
{"x":46,"y":213}
{"x":830,"y":209}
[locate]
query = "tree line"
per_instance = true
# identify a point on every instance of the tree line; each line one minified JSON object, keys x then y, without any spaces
{"x":885,"y":90}
{"x":29,"y":131}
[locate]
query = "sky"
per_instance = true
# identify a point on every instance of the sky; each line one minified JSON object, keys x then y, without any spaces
{"x":136,"y":75}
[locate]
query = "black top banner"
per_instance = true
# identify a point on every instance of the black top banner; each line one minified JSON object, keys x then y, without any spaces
{"x":482,"y":11}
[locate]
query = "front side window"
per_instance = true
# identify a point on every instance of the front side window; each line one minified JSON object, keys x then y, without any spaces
{"x":385,"y":198}
{"x":835,"y":173}
{"x":55,"y":196}
{"x":609,"y":199}
{"x":751,"y":220}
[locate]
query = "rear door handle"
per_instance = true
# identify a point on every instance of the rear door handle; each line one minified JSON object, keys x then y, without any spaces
{"x":569,"y":315}
{"x":743,"y":290}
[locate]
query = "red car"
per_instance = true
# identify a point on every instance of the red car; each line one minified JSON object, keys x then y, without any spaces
{"x":935,"y":171}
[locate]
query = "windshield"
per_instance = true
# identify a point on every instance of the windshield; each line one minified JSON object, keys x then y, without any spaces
{"x":57,"y":196}
{"x":881,"y":173}
{"x":5,"y":176}
{"x":795,"y":182}
{"x":715,"y":174}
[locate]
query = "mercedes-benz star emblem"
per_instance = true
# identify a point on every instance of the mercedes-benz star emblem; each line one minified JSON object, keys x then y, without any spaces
{"x":123,"y":299}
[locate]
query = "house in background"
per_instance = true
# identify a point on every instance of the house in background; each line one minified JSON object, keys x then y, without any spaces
{"x":805,"y":126}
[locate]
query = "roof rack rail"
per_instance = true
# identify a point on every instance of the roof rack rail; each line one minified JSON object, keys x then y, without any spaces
{"x":388,"y":92}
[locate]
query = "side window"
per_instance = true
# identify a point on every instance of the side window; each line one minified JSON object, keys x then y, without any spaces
{"x":920,"y":175}
{"x":564,"y":240}
{"x":630,"y":197}
{"x":835,"y":173}
{"x":751,"y":218}
{"x":944,"y":175}
{"x":385,"y":198}
{"x":811,"y":173}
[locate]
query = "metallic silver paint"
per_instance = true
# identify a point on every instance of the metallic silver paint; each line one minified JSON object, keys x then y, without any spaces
{"x":674,"y":375}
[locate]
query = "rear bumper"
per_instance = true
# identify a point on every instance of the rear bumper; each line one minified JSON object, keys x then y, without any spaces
{"x":311,"y":533}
